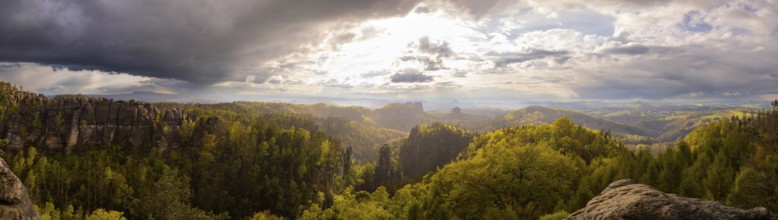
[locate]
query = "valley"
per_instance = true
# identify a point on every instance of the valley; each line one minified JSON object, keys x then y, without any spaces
{"x":78,"y":154}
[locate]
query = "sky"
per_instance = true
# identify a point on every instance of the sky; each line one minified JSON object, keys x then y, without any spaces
{"x":482,"y":51}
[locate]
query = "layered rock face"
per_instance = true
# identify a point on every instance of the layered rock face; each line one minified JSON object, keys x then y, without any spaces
{"x":14,"y":201}
{"x":624,"y":199}
{"x":63,"y":123}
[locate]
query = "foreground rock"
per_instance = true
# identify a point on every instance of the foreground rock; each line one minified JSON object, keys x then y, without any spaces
{"x":14,"y":201}
{"x":625,"y":199}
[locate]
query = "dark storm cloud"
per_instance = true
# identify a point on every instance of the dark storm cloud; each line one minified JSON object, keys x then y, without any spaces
{"x":342,"y":38}
{"x":575,"y":4}
{"x":410,"y":76}
{"x":199,"y":41}
{"x":712,"y":71}
{"x":503,"y":59}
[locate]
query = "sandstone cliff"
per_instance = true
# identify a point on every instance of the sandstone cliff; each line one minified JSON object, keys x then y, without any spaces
{"x":624,"y":199}
{"x":65,"y":122}
{"x":14,"y":201}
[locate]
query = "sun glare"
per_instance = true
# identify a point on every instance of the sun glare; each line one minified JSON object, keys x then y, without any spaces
{"x":380,"y":43}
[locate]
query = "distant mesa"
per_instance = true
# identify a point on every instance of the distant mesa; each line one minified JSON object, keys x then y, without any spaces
{"x":400,"y":116}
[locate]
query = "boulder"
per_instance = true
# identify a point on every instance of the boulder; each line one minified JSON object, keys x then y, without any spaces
{"x":14,"y":201}
{"x":625,"y":199}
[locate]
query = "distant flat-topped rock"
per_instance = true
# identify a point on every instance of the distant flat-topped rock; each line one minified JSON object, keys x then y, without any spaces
{"x":14,"y":201}
{"x":625,"y":199}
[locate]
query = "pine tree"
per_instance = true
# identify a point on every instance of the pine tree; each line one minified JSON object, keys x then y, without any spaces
{"x":720,"y":178}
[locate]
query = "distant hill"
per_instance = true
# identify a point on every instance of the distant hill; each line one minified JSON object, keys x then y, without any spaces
{"x":546,"y":115}
{"x":397,"y":116}
{"x":472,"y":119}
{"x":669,"y":125}
{"x":352,"y":125}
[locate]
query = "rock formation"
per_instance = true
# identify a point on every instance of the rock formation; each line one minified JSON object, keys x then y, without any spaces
{"x":65,"y":122}
{"x":624,"y":199}
{"x":386,"y":173}
{"x":14,"y":201}
{"x":400,"y":116}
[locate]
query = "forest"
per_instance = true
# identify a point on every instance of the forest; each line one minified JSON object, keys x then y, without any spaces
{"x":250,"y":160}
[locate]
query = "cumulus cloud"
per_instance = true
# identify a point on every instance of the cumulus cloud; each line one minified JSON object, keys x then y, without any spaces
{"x":629,"y":50}
{"x":410,"y":76}
{"x":50,"y":81}
{"x":429,"y":63}
{"x":373,"y":74}
{"x":337,"y":84}
{"x":9,"y":66}
{"x":503,"y":59}
{"x":440,"y":49}
{"x":430,"y":55}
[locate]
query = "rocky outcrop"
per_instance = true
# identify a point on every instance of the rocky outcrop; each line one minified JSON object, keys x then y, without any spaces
{"x":625,"y":199}
{"x":14,"y":201}
{"x":386,"y":174}
{"x":66,"y":122}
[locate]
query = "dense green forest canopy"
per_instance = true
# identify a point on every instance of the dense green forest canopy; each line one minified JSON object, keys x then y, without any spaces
{"x":352,"y":126}
{"x":267,"y":161}
{"x":230,"y":162}
{"x":547,"y":171}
